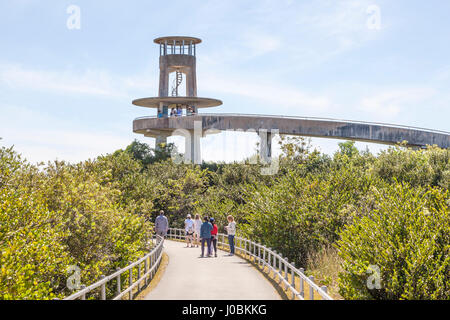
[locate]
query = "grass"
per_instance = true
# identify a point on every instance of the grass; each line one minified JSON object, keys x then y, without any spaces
{"x":325,"y":267}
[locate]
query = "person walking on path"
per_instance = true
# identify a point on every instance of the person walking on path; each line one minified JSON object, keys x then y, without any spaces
{"x":189,"y":228}
{"x":231,"y":230}
{"x":161,"y":224}
{"x":205,"y":235}
{"x":197,"y":225}
{"x":214,"y":232}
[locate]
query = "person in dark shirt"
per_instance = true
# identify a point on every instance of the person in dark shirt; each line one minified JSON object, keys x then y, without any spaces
{"x":205,"y":235}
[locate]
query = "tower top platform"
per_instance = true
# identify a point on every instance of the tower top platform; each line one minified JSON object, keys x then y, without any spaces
{"x":177,"y":40}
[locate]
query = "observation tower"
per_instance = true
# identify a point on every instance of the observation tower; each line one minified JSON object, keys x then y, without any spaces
{"x":177,"y":57}
{"x":178,"y":114}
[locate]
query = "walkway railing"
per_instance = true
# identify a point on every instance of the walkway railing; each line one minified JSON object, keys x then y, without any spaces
{"x":398,"y":126}
{"x":284,"y":271}
{"x":148,"y":264}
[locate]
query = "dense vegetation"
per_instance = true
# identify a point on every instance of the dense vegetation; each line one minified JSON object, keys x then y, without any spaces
{"x":334,"y":215}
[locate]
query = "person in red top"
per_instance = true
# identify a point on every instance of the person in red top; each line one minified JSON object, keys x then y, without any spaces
{"x":214,"y":232}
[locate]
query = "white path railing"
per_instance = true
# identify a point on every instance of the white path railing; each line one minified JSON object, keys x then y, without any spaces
{"x":148,"y":264}
{"x":284,"y":271}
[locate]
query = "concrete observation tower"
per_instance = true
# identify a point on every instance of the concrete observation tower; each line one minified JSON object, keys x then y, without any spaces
{"x":177,"y":56}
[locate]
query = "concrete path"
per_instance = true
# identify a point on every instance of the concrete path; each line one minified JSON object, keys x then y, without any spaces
{"x":189,"y":277}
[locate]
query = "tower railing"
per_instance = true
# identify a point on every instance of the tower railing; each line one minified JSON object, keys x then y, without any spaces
{"x":187,"y":48}
{"x":148,"y":264}
{"x":289,"y":277}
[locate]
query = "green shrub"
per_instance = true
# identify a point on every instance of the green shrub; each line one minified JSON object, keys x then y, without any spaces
{"x":430,"y":166}
{"x":61,"y":215}
{"x":407,"y":236}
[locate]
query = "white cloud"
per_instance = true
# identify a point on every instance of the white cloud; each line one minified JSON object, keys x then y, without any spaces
{"x":257,"y":43}
{"x":52,"y":144}
{"x":87,"y":82}
{"x":41,"y":137}
{"x":389,"y":103}
{"x":283,"y":96}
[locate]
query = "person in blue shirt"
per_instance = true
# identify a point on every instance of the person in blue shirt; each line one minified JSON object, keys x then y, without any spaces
{"x":205,"y":235}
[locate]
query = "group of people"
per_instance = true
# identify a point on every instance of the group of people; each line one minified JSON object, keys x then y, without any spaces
{"x":199,"y":232}
{"x":205,"y":232}
{"x":178,"y":111}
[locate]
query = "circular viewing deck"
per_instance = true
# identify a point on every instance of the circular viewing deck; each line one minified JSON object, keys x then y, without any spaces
{"x":186,"y":101}
{"x":177,"y":40}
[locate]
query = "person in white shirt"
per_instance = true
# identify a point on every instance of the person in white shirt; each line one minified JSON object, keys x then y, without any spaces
{"x":231,"y":230}
{"x":197,"y":225}
{"x":189,"y":228}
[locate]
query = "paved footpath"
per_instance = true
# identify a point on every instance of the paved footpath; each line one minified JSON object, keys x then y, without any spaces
{"x":189,"y":277}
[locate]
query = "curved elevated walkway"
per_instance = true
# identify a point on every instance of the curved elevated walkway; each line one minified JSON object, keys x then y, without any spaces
{"x":309,"y":127}
{"x":223,"y":278}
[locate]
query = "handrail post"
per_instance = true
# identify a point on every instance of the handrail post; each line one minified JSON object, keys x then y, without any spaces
{"x":154,"y":258}
{"x":247,"y":248}
{"x":286,"y":273}
{"x":311,"y":289}
{"x":139,"y":277}
{"x":279,"y":267}
{"x":130,"y":283}
{"x":269,"y":261}
{"x":145,"y":270}
{"x":259,"y":255}
{"x":118,"y":282}
{"x":274,"y":264}
{"x":293,"y":280}
{"x":264,"y":257}
{"x":151,"y":266}
{"x":83,"y":297}
{"x":302,"y":284}
{"x":103,"y":289}
{"x":325,"y":289}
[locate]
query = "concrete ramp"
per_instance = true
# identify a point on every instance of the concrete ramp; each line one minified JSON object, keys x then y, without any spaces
{"x":188,"y":277}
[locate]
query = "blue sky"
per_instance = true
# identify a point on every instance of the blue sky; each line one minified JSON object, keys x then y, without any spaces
{"x":67,"y":94}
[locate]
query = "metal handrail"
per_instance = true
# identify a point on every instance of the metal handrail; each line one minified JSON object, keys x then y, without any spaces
{"x":313,"y":118}
{"x":274,"y":261}
{"x":151,"y":262}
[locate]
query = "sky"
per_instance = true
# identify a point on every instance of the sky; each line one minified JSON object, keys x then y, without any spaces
{"x":66,"y":88}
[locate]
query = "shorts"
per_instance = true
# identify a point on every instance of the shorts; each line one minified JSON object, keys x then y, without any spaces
{"x":189,"y":233}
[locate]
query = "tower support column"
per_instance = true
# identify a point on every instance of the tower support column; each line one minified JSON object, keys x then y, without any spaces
{"x":161,"y":138}
{"x":265,"y":145}
{"x":192,"y":150}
